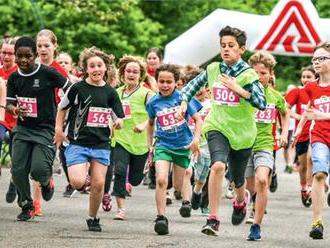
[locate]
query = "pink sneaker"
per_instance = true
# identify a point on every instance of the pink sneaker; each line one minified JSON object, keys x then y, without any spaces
{"x":120,"y":215}
{"x":107,"y":202}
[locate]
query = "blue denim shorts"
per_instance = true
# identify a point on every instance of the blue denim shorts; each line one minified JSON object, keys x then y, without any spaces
{"x":320,"y":158}
{"x":75,"y":154}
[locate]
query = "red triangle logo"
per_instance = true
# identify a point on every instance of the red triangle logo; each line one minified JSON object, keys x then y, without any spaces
{"x":293,"y":14}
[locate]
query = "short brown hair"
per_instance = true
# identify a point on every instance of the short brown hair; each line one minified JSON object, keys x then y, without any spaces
{"x":239,"y":35}
{"x":128,"y":59}
{"x":264,"y":58}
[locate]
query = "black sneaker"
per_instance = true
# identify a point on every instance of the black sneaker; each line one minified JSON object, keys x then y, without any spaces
{"x":27,"y":213}
{"x":239,"y":209}
{"x":151,"y":185}
{"x":328,"y":200}
{"x":185,"y":209}
{"x":177,"y":195}
{"x":48,"y":191}
{"x":211,"y":227}
{"x":94,"y":225}
{"x":69,"y":191}
{"x":196,"y":200}
{"x":317,"y":230}
{"x":306,"y":197}
{"x":161,"y":225}
{"x":274,"y":184}
{"x":11,"y":193}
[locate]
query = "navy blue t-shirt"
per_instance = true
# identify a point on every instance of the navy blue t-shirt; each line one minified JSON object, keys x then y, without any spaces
{"x":171,"y":133}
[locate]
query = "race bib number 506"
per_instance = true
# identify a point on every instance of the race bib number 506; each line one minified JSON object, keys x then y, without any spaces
{"x":98,"y":117}
{"x":224,"y":96}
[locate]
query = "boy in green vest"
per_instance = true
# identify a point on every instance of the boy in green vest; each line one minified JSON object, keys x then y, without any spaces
{"x":230,"y":126}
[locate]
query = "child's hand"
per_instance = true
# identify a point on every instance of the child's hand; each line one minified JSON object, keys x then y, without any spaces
{"x":59,"y":137}
{"x":139,"y":128}
{"x":194,"y":146}
{"x":283,"y":141}
{"x":181,"y":111}
{"x":118,"y":124}
{"x":228,"y":81}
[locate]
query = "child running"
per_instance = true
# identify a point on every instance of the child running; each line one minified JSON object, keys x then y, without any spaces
{"x":173,"y":139}
{"x":90,"y":102}
{"x":31,"y":97}
{"x":319,"y":95}
{"x":230,"y":127}
{"x":131,"y":150}
{"x":261,"y":162}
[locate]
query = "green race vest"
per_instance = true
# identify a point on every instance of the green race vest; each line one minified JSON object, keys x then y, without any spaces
{"x":135,"y":143}
{"x":234,"y":118}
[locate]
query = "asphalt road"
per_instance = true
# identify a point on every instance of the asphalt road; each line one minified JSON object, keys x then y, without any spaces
{"x":287,"y":223}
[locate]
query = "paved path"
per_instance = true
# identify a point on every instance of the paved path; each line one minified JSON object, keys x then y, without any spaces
{"x":287,"y":223}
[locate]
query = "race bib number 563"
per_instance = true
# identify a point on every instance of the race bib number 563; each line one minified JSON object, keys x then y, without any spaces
{"x":30,"y":104}
{"x":98,"y":117}
{"x":224,"y":96}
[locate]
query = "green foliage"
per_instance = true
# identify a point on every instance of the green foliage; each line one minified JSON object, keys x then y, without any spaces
{"x":131,"y":26}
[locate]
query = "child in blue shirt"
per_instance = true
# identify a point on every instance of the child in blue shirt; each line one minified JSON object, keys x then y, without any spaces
{"x":174,"y":140}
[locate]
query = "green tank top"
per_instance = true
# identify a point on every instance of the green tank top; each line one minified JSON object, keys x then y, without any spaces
{"x":135,"y":113}
{"x":231,"y":114}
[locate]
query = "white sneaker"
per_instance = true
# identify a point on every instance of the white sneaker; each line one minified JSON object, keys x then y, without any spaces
{"x":230,"y":192}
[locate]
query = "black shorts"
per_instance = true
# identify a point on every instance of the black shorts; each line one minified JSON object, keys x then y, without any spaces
{"x":302,"y":147}
{"x":220,"y":151}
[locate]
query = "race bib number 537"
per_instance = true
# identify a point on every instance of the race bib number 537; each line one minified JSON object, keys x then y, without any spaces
{"x":323,"y":104}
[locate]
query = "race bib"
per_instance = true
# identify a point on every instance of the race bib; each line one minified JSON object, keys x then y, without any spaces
{"x":202,"y":113}
{"x":98,"y":117}
{"x":30,"y":104}
{"x":224,"y":96}
{"x":266,"y":116}
{"x":127,"y":109}
{"x":167,"y":120}
{"x":323,"y":104}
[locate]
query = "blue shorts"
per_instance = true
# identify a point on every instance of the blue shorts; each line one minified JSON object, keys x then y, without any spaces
{"x":75,"y":154}
{"x":320,"y":158}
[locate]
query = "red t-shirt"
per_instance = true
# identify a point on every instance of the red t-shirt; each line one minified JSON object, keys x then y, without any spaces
{"x":320,"y":100}
{"x":61,"y":70}
{"x":10,"y":121}
{"x":299,"y":98}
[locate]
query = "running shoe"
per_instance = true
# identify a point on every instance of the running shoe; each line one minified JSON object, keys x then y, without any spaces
{"x":37,"y":208}
{"x":328,"y":200}
{"x":48,"y":191}
{"x":255,"y":233}
{"x":273,"y":184}
{"x":185,"y":209}
{"x":69,"y":191}
{"x":196,"y":200}
{"x":151,"y":185}
{"x":27,"y":213}
{"x":205,"y":211}
{"x":211,"y":227}
{"x":168,"y":198}
{"x":120,"y":215}
{"x":177,"y":195}
{"x":161,"y":225}
{"x":94,"y":225}
{"x":250,"y":219}
{"x":288,"y":169}
{"x":11,"y":193}
{"x":306,"y":197}
{"x":230,"y":193}
{"x":106,"y":202}
{"x":317,"y":230}
{"x":239,"y":209}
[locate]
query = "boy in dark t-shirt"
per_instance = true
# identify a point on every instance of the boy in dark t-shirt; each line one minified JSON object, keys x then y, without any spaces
{"x":31,"y":97}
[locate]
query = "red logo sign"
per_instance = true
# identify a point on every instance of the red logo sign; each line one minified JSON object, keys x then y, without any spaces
{"x":292,"y":16}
